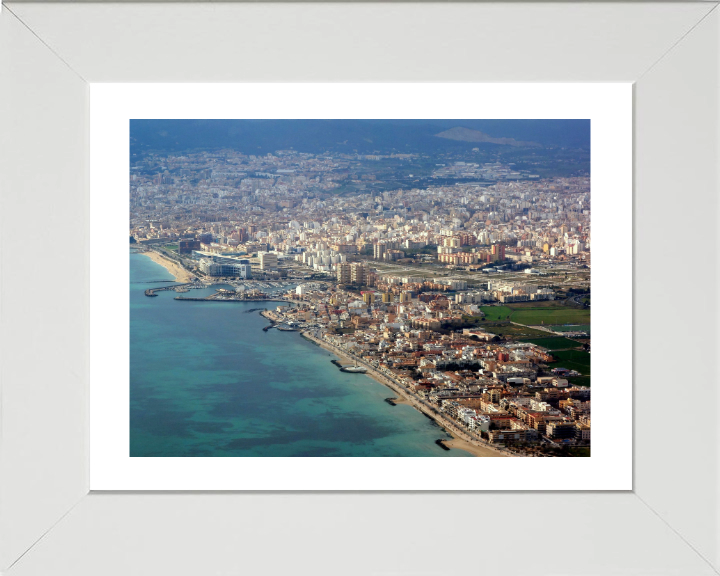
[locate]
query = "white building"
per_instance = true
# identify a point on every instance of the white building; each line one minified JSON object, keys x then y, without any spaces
{"x":268,"y":261}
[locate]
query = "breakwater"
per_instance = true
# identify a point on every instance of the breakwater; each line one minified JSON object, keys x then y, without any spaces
{"x":440,"y":442}
{"x":152,"y":291}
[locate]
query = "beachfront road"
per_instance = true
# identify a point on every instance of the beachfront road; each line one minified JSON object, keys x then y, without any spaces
{"x":415,"y":401}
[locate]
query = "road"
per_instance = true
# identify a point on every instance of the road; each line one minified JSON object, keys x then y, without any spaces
{"x":415,"y":401}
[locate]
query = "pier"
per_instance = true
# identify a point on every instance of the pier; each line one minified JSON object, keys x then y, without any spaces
{"x":152,"y":291}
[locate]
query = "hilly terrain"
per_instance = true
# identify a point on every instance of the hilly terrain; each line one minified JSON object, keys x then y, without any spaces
{"x":356,"y":136}
{"x":468,"y":135}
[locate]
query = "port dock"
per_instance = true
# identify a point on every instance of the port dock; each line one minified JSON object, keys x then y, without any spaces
{"x":152,"y":291}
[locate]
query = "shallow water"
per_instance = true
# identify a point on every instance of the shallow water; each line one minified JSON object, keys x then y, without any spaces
{"x":205,"y":380}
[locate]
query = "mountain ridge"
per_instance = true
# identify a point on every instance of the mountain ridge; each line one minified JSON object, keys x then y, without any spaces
{"x":462,"y":134}
{"x":358,"y":136}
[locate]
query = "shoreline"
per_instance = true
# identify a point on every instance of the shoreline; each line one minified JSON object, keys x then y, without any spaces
{"x":459,"y":441}
{"x":180,"y":274}
{"x":270,"y":316}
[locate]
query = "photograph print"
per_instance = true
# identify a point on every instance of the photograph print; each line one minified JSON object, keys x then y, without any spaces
{"x":360,"y":288}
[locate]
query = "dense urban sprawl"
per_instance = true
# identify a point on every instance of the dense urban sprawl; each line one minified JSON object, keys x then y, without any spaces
{"x":465,"y":287}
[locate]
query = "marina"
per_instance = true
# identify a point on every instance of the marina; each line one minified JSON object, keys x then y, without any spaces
{"x":270,"y":393}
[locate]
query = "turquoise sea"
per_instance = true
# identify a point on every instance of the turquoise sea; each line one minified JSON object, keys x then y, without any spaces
{"x":205,"y":380}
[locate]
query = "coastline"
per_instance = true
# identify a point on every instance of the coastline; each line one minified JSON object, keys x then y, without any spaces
{"x":180,"y":274}
{"x":270,"y":316}
{"x":475,"y":450}
{"x":459,"y":441}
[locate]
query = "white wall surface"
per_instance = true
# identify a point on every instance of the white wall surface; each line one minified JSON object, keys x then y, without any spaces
{"x":47,"y":527}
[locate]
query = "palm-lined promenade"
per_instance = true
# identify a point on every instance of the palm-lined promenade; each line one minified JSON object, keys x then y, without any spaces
{"x":462,"y":439}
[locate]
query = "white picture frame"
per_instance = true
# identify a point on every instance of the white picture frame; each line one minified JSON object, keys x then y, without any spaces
{"x":49,"y":523}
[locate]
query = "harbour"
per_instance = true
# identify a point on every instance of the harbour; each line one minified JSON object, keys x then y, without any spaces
{"x":207,"y":381}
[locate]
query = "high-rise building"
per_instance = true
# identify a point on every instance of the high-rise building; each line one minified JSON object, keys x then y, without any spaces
{"x":392,"y":255}
{"x":358,"y":273}
{"x":268,"y":261}
{"x":343,"y":273}
{"x":229,"y":269}
{"x":187,"y":246}
{"x":368,"y":297}
{"x":387,"y":297}
{"x":498,"y":252}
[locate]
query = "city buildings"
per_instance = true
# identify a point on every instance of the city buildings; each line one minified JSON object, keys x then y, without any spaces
{"x":235,"y":270}
{"x":268,"y":261}
{"x":468,"y":286}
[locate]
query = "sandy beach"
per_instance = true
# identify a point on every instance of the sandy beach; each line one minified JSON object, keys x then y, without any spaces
{"x":457,"y":442}
{"x":480,"y":451}
{"x":181,"y":275}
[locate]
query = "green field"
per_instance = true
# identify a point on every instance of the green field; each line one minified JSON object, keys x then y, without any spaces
{"x":579,"y":380}
{"x":537,"y":315}
{"x":550,"y":316}
{"x":496,"y":313}
{"x":554,"y":342}
{"x":572,"y":360}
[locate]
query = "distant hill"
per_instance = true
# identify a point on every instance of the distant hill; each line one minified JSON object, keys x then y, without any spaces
{"x":355,"y":136}
{"x":468,"y":135}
